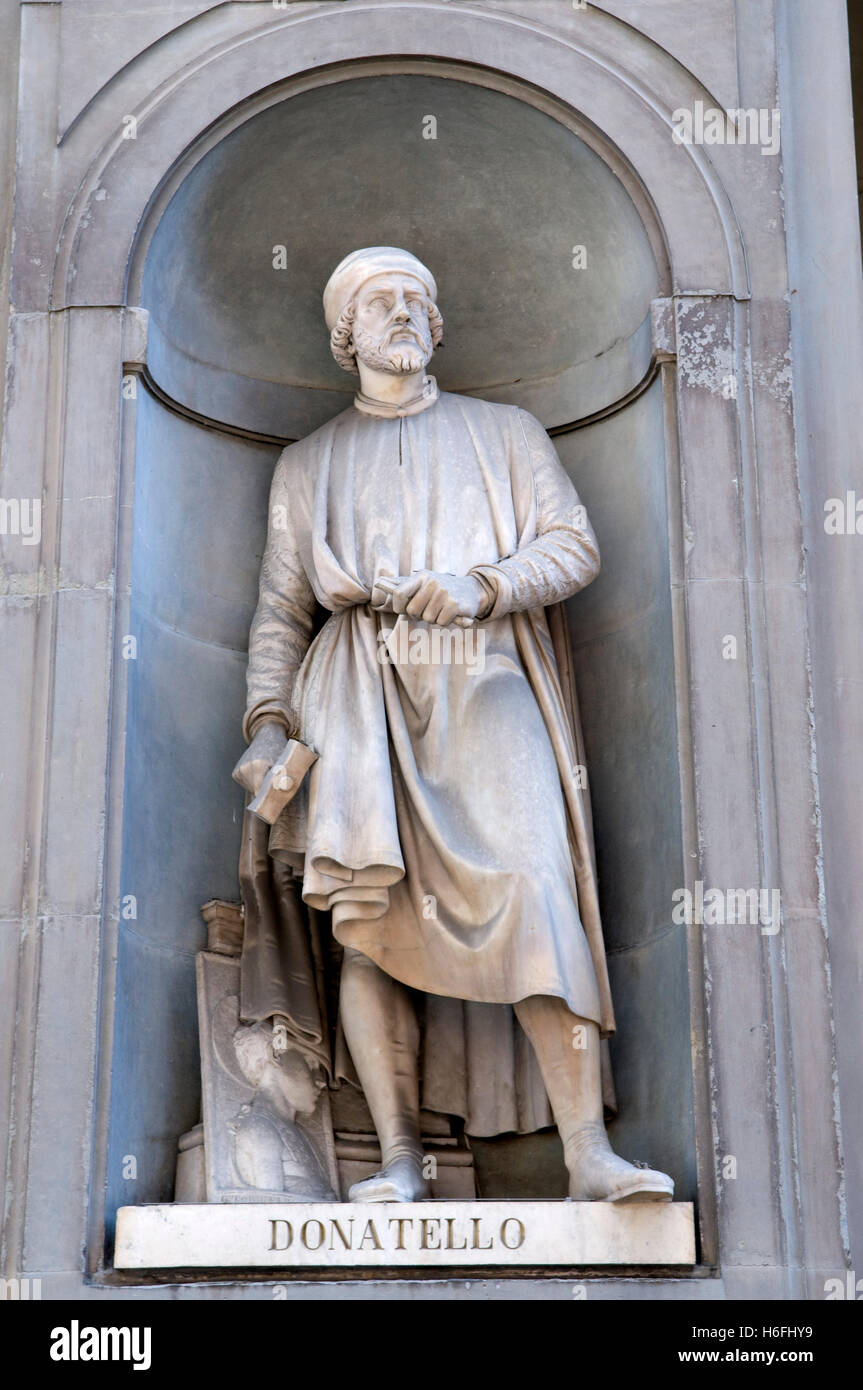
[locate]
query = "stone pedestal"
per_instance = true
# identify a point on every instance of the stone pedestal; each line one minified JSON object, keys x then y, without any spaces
{"x":396,"y":1235}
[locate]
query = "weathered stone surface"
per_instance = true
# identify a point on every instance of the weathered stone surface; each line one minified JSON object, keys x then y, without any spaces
{"x":404,"y":1235}
{"x":765,"y":774}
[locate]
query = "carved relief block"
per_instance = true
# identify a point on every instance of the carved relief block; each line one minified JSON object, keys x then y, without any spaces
{"x":267,"y":1130}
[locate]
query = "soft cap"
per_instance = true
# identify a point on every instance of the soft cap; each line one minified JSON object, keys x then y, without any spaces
{"x":351,"y":274}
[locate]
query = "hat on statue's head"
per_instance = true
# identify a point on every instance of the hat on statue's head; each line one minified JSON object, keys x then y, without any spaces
{"x":351,"y":274}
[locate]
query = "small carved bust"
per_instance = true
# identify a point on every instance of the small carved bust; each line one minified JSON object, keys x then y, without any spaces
{"x":270,"y":1151}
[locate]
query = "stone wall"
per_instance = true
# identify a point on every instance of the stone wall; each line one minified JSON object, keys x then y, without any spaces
{"x":754,"y":758}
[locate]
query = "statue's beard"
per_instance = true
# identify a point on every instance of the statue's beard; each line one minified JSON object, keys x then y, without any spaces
{"x":375,"y":352}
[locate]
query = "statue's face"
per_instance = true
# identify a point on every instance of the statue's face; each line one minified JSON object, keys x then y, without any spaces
{"x":288,"y":1082}
{"x":297,"y":1083}
{"x":391,"y":328}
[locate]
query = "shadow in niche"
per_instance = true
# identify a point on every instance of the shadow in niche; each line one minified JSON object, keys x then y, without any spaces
{"x":496,"y":205}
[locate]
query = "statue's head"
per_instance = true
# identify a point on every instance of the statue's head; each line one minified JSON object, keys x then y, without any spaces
{"x":380,"y":307}
{"x":287,"y":1080}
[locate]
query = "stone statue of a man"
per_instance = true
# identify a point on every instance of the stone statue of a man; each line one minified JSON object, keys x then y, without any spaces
{"x":443,"y":823}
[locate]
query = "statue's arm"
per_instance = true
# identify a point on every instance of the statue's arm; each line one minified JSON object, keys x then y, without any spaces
{"x":563,"y":557}
{"x":282,"y":626}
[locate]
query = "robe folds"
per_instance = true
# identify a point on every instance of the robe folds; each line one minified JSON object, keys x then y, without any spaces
{"x":444,"y":825}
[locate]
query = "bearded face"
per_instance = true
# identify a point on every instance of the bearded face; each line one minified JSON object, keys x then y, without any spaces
{"x":391,"y":331}
{"x":399,"y":353}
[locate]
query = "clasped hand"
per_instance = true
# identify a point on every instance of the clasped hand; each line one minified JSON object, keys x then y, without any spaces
{"x":431,"y":598}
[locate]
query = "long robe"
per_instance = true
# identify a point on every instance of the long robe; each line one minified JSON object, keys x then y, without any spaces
{"x":444,"y":824}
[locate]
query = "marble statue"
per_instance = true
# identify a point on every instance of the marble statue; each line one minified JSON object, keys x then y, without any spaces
{"x":441,"y":819}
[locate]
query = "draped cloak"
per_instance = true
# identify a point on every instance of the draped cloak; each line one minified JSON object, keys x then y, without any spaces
{"x":445,"y":825}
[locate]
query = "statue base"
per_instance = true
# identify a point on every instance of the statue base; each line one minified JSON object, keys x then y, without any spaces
{"x":410,"y":1235}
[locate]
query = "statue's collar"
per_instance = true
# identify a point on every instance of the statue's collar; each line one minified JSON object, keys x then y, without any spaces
{"x":387,"y":411}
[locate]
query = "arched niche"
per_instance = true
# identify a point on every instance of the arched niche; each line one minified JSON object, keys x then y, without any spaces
{"x":541,"y":257}
{"x":237,"y":359}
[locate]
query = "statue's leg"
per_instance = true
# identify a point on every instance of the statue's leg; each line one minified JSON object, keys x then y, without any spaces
{"x":567,"y":1049}
{"x":381,"y":1030}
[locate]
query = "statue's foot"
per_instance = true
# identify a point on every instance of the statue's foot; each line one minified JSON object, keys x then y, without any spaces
{"x":598,"y":1174}
{"x":400,"y":1181}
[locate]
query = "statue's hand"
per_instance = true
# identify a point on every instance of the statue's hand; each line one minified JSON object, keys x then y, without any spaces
{"x":432,"y":598}
{"x":264,"y":749}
